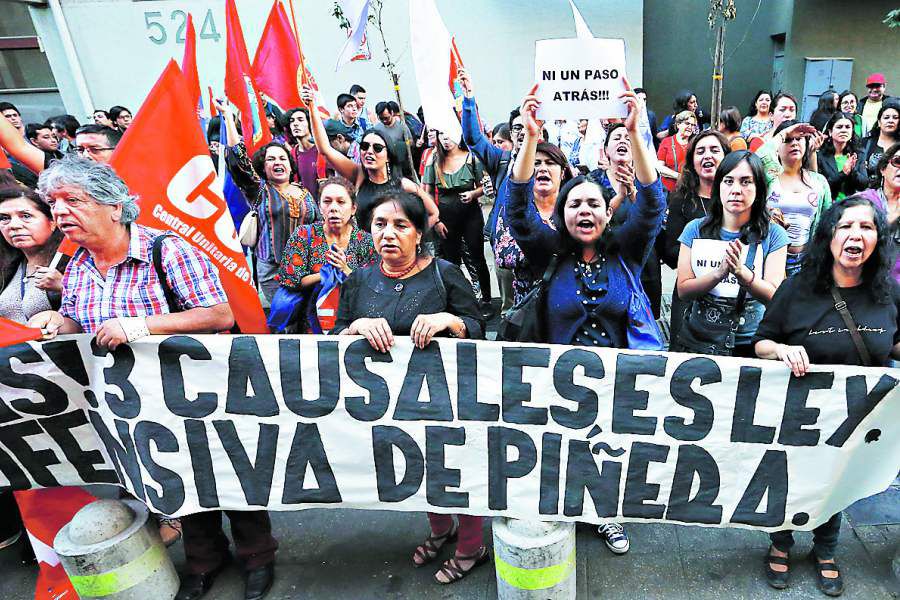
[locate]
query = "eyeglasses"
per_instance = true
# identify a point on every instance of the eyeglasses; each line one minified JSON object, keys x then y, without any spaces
{"x":895,"y":161}
{"x":91,"y":149}
{"x":518,"y":127}
{"x":376,"y":147}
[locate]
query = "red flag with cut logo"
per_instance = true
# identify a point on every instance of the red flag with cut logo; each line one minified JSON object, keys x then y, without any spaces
{"x":189,"y":63}
{"x":165,"y":161}
{"x":276,"y":64}
{"x":239,"y":85}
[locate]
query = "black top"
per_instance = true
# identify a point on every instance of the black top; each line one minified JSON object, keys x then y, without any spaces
{"x":839,"y":181}
{"x":367,"y":293}
{"x":681,"y":212}
{"x":799,"y":316}
{"x":366,"y":195}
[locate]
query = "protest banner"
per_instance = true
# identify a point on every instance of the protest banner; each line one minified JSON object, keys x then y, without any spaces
{"x":580,"y":78}
{"x":549,"y":432}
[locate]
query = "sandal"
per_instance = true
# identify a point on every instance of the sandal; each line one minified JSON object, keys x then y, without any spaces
{"x":830,"y":586}
{"x":428,"y":550}
{"x":170,"y":531}
{"x":453,"y":571}
{"x":777,"y":579}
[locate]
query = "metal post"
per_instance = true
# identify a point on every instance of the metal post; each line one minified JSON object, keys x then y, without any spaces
{"x":534,"y":560}
{"x":406,"y":139}
{"x":718,"y":73}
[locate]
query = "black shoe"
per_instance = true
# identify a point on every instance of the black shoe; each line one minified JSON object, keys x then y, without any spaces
{"x":830,"y":586}
{"x":777,"y":579}
{"x":259,"y":582}
{"x":194,"y":586}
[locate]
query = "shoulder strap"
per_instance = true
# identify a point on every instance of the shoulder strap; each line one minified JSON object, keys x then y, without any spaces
{"x":549,"y":271}
{"x":858,"y":341}
{"x":156,"y":253}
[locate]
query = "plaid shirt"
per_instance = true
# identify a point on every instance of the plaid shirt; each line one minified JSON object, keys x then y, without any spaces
{"x":132,"y":289}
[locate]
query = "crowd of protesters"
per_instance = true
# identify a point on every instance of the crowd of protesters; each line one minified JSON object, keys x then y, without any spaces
{"x":797,"y":223}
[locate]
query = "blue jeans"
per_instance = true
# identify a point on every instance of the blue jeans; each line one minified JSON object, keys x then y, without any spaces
{"x":825,"y":538}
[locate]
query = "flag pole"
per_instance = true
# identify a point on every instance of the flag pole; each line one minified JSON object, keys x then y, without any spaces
{"x":299,"y":47}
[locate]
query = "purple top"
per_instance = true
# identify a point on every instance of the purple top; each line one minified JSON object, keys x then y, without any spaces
{"x":306,"y":168}
{"x":878,"y":199}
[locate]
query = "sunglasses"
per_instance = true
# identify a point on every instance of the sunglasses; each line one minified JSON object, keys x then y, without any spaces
{"x":376,"y":147}
{"x":895,"y":161}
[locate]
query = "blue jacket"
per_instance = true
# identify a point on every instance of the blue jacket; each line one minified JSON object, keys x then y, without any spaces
{"x":494,"y":159}
{"x":565,"y":313}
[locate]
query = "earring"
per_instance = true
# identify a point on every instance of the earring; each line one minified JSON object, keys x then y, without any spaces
{"x":419,"y":248}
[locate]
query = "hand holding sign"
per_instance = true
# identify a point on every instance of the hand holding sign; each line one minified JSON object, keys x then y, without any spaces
{"x":466,"y":82}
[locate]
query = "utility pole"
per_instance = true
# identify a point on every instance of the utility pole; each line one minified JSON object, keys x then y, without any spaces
{"x":720,"y":12}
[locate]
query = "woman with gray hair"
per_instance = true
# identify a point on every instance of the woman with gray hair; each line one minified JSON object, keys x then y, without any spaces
{"x":179,"y":292}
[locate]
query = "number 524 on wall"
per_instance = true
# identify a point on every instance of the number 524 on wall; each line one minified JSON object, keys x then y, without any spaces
{"x":158,"y":34}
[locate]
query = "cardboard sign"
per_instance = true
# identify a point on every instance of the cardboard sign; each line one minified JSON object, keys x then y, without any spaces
{"x":580,"y":78}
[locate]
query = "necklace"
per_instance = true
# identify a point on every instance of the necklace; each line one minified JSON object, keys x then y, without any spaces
{"x":400,"y":275}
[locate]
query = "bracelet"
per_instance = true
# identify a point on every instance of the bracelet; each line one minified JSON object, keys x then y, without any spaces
{"x":752,"y":278}
{"x":456,"y":334}
{"x":134,"y":327}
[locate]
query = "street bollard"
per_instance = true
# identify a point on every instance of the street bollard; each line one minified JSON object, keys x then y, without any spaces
{"x":109,"y":552}
{"x":534,"y":560}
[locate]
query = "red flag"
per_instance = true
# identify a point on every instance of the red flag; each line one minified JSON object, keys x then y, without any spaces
{"x":239,"y":86}
{"x":165,"y":161}
{"x":277,"y":61}
{"x":4,"y":161}
{"x":12,"y":333}
{"x":189,"y":63}
{"x":456,"y":64}
{"x":45,"y":512}
{"x":213,"y":111}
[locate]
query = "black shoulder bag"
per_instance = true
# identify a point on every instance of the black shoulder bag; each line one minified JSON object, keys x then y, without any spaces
{"x":524,"y":322}
{"x":709,"y":328}
{"x":857,"y":338}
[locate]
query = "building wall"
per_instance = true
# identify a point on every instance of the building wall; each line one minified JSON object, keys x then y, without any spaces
{"x":844,"y":29}
{"x":678,"y":50}
{"x":495,"y":37}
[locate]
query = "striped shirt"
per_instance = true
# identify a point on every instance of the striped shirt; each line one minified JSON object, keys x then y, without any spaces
{"x":131,"y":288}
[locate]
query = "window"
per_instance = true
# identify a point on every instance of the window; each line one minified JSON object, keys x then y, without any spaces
{"x":23,"y":65}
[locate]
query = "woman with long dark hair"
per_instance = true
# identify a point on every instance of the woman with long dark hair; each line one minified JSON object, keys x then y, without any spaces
{"x":828,"y":105}
{"x":797,"y":194}
{"x":455,"y":175}
{"x":731,"y":261}
{"x":591,"y":272}
{"x":730,"y":125}
{"x":684,"y":100}
{"x":379,"y":173}
{"x":758,"y":121}
{"x":691,"y":200}
{"x":838,"y":160}
{"x":884,"y":134}
{"x":849,"y":264}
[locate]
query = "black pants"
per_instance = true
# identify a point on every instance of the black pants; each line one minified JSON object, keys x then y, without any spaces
{"x":465,"y":223}
{"x":825,"y":538}
{"x":205,"y":544}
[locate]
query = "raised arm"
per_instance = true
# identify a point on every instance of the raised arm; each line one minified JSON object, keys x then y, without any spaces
{"x":486,"y":152}
{"x":30,"y":156}
{"x":341,"y":163}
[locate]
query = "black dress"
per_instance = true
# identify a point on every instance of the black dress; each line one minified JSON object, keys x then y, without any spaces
{"x":439,"y":287}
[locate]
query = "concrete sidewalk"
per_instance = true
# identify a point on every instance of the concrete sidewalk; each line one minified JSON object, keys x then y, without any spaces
{"x":353,"y":554}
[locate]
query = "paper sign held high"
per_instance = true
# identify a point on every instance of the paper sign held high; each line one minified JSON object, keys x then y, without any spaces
{"x":580,"y":78}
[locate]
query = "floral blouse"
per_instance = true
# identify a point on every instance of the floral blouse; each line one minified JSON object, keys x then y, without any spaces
{"x":304,"y":253}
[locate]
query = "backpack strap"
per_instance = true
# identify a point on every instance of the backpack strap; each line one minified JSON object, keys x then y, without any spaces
{"x":156,"y":254}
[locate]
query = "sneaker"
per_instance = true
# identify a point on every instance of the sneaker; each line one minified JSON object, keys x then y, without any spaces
{"x":10,"y":540}
{"x":614,"y":536}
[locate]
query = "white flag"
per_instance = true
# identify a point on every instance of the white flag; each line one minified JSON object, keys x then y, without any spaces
{"x":357,"y":12}
{"x":431,"y":48}
{"x":581,"y":28}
